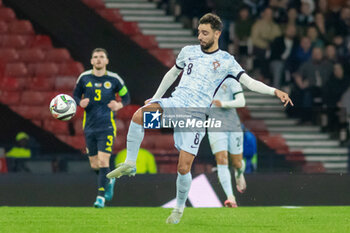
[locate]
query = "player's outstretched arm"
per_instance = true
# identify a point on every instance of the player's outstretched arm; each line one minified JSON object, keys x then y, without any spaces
{"x":284,"y":97}
{"x":262,"y":88}
{"x":238,"y":102}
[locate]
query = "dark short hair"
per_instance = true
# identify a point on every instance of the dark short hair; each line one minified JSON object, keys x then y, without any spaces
{"x":212,"y":19}
{"x":99,"y":50}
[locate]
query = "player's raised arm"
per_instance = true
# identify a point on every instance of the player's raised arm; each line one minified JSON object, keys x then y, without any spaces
{"x":168,"y":79}
{"x":262,"y":88}
{"x":238,"y":102}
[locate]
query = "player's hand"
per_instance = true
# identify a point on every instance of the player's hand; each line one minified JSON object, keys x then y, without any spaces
{"x":115,"y":106}
{"x":217,"y":103}
{"x":84,"y":102}
{"x":147,"y":101}
{"x":284,"y":97}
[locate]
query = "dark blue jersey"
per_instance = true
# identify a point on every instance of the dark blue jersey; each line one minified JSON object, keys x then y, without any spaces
{"x":100,"y":90}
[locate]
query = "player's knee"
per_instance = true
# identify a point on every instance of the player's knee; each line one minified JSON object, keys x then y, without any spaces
{"x":237,"y":163}
{"x":103,"y":163}
{"x":94,"y":166}
{"x":137,"y":117}
{"x":221,"y":158}
{"x":183,"y":169}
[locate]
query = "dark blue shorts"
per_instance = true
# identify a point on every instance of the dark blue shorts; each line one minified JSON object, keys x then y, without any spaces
{"x":99,"y":141}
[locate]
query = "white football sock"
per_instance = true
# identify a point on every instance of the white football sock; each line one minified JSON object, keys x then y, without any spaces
{"x":183,"y":185}
{"x":134,"y":139}
{"x":239,"y":171}
{"x":224,"y":175}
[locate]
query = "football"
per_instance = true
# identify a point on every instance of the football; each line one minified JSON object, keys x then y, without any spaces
{"x":63,"y":107}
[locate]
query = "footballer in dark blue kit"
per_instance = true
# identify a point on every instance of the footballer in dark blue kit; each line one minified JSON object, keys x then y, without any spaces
{"x":96,"y":92}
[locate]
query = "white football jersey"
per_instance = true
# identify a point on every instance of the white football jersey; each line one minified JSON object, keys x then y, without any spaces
{"x":202,"y":75}
{"x":227,"y":91}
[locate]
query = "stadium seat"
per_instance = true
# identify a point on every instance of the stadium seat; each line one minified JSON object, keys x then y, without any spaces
{"x":31,"y":55}
{"x":65,"y":84}
{"x":163,"y":141}
{"x":112,"y":15}
{"x":79,"y":114}
{"x":127,"y":112}
{"x":296,"y":157}
{"x":3,"y":27}
{"x":121,"y":129}
{"x":50,"y":95}
{"x":313,"y":167}
{"x":12,"y":84}
{"x":23,"y":27}
{"x":146,"y":42}
{"x":58,"y":55}
{"x":71,"y":69}
{"x":33,"y":112}
{"x":77,"y":142}
{"x":13,"y":41}
{"x":244,"y":113}
{"x":166,"y":56}
{"x":119,"y":143}
{"x":167,"y":168}
{"x":166,"y":164}
{"x":276,"y":142}
{"x":164,"y":144}
{"x":148,"y":143}
{"x":38,"y":123}
{"x":10,"y":97}
{"x":95,"y":4}
{"x":78,"y":127}
{"x":8,"y":55}
{"x":56,"y":126}
{"x":41,"y":84}
{"x":41,"y":41}
{"x":258,"y":127}
{"x":16,"y":70}
{"x":48,"y":69}
{"x":128,"y":28}
{"x":34,"y":98}
{"x":31,"y":67}
{"x":7,"y":14}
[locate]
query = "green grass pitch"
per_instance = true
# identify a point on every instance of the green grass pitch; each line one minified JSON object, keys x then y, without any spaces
{"x":139,"y":220}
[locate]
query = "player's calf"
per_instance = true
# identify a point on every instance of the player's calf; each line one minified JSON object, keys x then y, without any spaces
{"x":110,"y":190}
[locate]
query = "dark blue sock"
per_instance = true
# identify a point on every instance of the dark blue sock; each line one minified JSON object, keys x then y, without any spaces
{"x":102,"y":181}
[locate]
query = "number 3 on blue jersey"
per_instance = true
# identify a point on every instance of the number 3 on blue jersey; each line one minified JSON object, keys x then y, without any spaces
{"x":98,"y":95}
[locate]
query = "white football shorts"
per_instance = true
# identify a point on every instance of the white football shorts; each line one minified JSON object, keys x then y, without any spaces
{"x":187,"y":140}
{"x":226,"y":141}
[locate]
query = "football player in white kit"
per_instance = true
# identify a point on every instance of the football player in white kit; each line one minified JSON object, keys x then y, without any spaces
{"x":227,"y":99}
{"x":205,"y":67}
